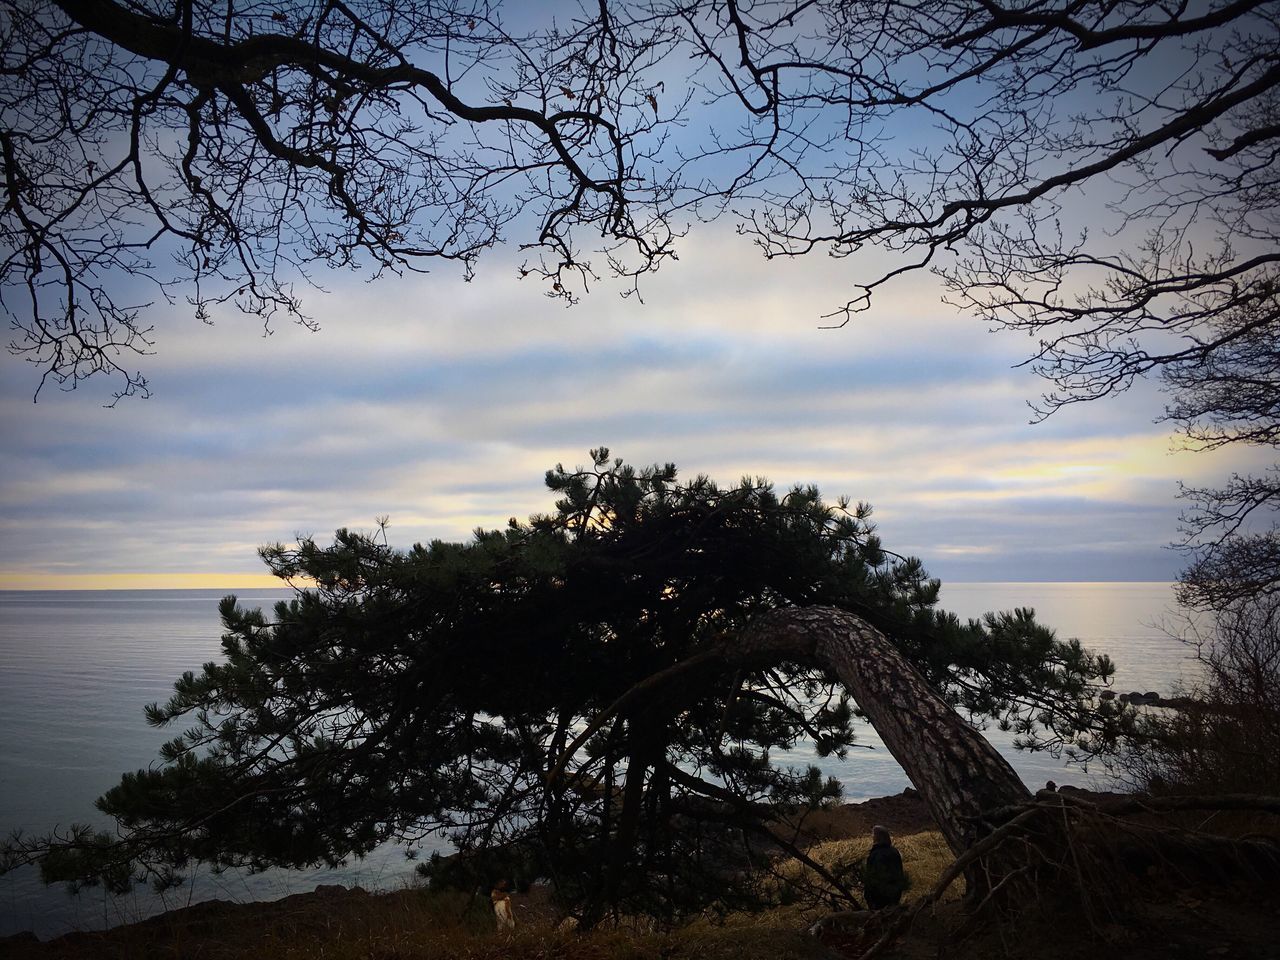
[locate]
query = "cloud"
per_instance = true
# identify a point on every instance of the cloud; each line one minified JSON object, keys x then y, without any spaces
{"x":442,"y":404}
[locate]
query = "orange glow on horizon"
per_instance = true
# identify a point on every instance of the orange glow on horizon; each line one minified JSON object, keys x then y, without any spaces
{"x":28,"y":580}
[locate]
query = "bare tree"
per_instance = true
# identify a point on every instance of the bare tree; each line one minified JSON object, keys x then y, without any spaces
{"x":257,"y":143}
{"x":1225,"y":736}
{"x":1099,"y":175}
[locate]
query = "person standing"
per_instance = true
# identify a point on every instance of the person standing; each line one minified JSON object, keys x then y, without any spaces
{"x":883,"y":879}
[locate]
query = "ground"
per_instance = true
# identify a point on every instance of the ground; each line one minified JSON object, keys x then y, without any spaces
{"x":1165,"y":919}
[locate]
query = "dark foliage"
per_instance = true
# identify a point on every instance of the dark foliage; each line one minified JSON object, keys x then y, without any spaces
{"x":436,"y":689}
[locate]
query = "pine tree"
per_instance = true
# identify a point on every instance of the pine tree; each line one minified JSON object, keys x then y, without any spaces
{"x":595,"y":696}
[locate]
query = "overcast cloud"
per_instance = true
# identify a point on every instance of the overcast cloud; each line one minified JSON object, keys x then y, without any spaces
{"x":442,"y":404}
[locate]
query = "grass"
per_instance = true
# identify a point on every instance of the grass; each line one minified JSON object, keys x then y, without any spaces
{"x":407,"y":925}
{"x":418,"y":924}
{"x":924,"y":857}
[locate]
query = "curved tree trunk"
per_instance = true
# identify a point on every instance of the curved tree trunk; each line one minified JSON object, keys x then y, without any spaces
{"x":958,"y":773}
{"x":969,"y":787}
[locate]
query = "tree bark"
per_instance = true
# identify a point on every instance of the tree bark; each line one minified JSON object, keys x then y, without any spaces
{"x":958,"y":773}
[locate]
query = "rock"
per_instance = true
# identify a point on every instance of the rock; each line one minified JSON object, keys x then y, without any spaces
{"x":25,"y":938}
{"x":910,"y":792}
{"x":1139,"y":699}
{"x":1107,"y":695}
{"x":1093,"y":796}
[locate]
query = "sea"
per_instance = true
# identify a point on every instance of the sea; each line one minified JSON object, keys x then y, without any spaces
{"x":76,"y":668}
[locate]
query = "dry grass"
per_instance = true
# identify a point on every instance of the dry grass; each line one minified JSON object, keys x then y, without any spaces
{"x":425,"y":925}
{"x":406,"y":925}
{"x":924,"y":856}
{"x":418,"y":924}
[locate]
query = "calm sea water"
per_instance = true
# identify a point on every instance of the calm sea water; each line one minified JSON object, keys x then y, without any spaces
{"x":77,"y":666}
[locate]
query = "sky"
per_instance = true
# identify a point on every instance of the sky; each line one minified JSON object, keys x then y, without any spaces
{"x":441,"y":404}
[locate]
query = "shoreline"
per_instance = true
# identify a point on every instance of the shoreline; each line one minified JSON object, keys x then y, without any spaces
{"x":1172,"y":917}
{"x":903,"y":813}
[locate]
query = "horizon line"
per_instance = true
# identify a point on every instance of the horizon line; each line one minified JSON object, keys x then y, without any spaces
{"x":11,"y":581}
{"x":183,"y":581}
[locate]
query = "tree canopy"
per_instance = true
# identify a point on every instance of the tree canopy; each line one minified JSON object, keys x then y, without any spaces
{"x":583,"y":696}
